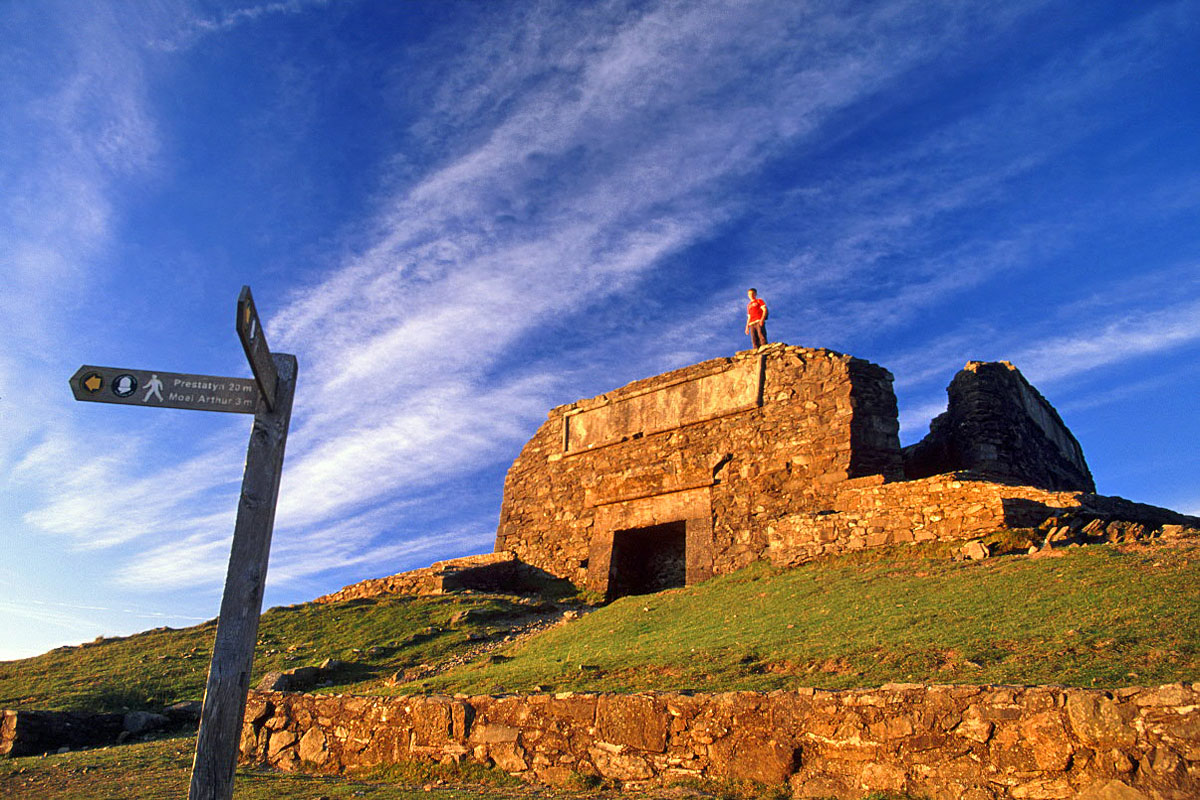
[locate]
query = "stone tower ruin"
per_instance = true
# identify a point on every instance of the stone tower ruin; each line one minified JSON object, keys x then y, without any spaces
{"x":997,"y":424}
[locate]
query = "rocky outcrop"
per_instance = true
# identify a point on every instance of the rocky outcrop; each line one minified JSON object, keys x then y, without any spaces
{"x":299,"y":679}
{"x":941,"y":742}
{"x":997,"y":424}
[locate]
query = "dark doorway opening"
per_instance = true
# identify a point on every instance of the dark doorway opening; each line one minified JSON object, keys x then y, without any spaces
{"x":649,"y":559}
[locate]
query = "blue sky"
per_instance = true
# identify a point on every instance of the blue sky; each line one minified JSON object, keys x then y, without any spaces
{"x":458,"y":215}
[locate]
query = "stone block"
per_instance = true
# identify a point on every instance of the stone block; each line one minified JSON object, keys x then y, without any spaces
{"x":977,"y":730}
{"x":508,"y":756}
{"x":1172,"y":694}
{"x":248,"y":745}
{"x":1046,"y":736}
{"x":432,"y":724}
{"x":492,"y":733}
{"x":137,"y":722}
{"x":620,"y":765}
{"x":756,"y":757}
{"x":633,"y":720}
{"x":883,"y":778}
{"x":1098,"y":720}
{"x":819,"y":786}
{"x":314,"y":747}
{"x":279,"y":741}
{"x":1044,"y":789}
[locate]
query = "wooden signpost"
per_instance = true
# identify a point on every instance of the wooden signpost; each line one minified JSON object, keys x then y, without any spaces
{"x":254,"y":342}
{"x":269,"y":398}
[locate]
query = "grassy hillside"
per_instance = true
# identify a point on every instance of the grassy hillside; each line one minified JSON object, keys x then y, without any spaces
{"x":1097,"y":616}
{"x":162,"y":666}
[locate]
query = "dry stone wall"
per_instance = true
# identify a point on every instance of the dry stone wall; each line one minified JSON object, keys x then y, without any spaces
{"x":868,"y":512}
{"x":487,"y":572}
{"x":943,"y":742}
{"x":28,"y":732}
{"x":720,"y":449}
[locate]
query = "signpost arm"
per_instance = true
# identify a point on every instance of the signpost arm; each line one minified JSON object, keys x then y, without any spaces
{"x":237,"y":628}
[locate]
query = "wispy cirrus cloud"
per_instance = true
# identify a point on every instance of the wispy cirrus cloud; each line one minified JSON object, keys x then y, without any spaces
{"x":199,"y":559}
{"x":624,"y":158}
{"x":186,"y":25}
{"x":76,"y":130}
{"x":574,"y":154}
{"x":1111,"y":342}
{"x":66,"y":147}
{"x":619,"y":145}
{"x":842,"y":278}
{"x":112,"y":499}
{"x":1097,"y":342}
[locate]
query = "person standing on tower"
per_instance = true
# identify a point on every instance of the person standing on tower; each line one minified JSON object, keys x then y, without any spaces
{"x":756,"y":318}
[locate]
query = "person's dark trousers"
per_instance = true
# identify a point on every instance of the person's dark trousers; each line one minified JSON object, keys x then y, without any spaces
{"x":758,"y":334}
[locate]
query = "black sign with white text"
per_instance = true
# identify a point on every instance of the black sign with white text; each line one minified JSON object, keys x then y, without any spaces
{"x":141,"y":387}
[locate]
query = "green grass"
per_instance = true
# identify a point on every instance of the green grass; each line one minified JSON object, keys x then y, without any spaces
{"x":1098,"y":616}
{"x":159,"y":667}
{"x":1094,"y":617}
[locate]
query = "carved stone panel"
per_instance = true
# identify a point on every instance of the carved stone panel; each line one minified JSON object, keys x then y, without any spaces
{"x":694,"y":400}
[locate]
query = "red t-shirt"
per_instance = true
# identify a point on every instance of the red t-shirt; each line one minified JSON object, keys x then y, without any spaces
{"x":755,"y":310}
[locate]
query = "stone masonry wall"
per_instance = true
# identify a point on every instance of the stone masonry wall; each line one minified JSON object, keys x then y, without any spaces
{"x":997,"y":424}
{"x":731,"y":445}
{"x":943,"y":742}
{"x":785,"y":453}
{"x":867,"y":512}
{"x":28,"y":732}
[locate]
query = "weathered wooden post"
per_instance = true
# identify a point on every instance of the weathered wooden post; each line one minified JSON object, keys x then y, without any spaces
{"x":269,"y":398}
{"x":237,"y":627}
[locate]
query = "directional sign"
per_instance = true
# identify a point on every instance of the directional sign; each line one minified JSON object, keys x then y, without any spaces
{"x":254,"y":341}
{"x":241,"y":603}
{"x":140,"y":387}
